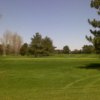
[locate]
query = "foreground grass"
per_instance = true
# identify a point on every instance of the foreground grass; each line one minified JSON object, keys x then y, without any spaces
{"x":69,"y":78}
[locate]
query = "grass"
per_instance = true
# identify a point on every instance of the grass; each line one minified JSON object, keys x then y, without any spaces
{"x":55,"y":78}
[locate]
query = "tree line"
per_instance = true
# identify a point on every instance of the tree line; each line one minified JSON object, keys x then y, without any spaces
{"x":11,"y":43}
{"x":39,"y":46}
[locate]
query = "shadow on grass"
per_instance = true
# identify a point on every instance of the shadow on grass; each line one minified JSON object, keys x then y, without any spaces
{"x":91,"y":66}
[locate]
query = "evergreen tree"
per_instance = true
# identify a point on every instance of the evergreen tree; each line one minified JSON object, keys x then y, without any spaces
{"x":24,"y":49}
{"x":1,"y":49}
{"x":48,"y":47}
{"x":36,"y":45}
{"x":41,"y":46}
{"x":95,"y":40}
{"x":66,"y":49}
{"x":88,"y":49}
{"x":76,"y":51}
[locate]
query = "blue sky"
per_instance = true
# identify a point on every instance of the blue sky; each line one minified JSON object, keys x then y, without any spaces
{"x":64,"y":21}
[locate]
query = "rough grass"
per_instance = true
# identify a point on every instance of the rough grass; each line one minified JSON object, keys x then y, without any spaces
{"x":54,"y":78}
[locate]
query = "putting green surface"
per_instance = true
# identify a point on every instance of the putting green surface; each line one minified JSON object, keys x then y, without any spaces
{"x":50,"y":78}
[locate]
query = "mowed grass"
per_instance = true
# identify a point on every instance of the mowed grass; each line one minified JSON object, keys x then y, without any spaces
{"x":59,"y":78}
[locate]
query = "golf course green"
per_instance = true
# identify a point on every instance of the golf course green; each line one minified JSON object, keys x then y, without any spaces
{"x":53,"y":78}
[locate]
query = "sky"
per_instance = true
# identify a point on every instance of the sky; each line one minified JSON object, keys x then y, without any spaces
{"x":64,"y":21}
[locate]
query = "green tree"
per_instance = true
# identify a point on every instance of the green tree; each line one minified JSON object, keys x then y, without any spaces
{"x":87,"y":49}
{"x":1,"y":49}
{"x":8,"y":49}
{"x":24,"y":49}
{"x":95,"y":39}
{"x":36,"y":44}
{"x":66,"y":49}
{"x":76,"y":51}
{"x":41,"y":46}
{"x":47,"y":45}
{"x":58,"y":51}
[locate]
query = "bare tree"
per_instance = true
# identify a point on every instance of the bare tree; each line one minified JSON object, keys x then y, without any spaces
{"x":5,"y":40}
{"x":11,"y":42}
{"x":3,"y":44}
{"x":16,"y":43}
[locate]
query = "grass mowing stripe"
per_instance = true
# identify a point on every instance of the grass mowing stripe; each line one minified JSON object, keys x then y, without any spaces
{"x":91,"y":85}
{"x":79,"y":80}
{"x":46,"y":79}
{"x":84,"y":58}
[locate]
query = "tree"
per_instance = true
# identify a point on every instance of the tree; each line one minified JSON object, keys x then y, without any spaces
{"x":5,"y":40}
{"x":95,"y":39}
{"x":24,"y":49}
{"x":58,"y":51}
{"x":16,"y":43}
{"x":66,"y":49}
{"x":36,"y":44}
{"x":8,"y":49}
{"x":47,"y":45}
{"x":41,"y":46}
{"x":76,"y":51}
{"x":1,"y":49}
{"x":11,"y":43}
{"x":87,"y":49}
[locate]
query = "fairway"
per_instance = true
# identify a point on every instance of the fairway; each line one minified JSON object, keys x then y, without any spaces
{"x":65,"y":78}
